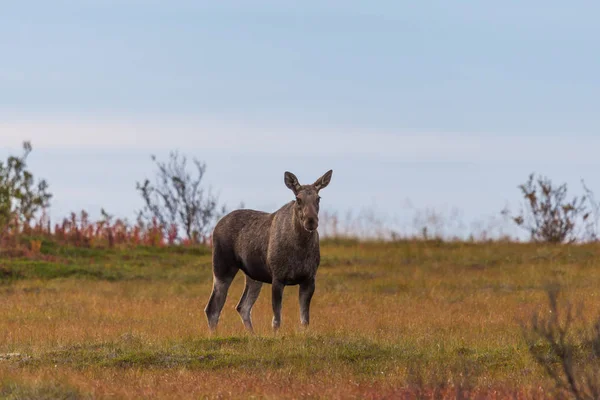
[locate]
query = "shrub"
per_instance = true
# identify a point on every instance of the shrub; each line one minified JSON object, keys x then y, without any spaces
{"x":20,"y":196}
{"x":569,"y":354}
{"x":547,"y":215}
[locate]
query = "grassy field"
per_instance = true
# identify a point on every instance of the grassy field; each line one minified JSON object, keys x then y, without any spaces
{"x":389,"y":320}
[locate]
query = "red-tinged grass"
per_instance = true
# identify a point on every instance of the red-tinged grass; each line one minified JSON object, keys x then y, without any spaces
{"x":389,"y":320}
{"x":78,"y":230}
{"x":186,"y":384}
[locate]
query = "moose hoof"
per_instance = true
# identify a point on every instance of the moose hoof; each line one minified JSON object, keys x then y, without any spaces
{"x":275,"y":325}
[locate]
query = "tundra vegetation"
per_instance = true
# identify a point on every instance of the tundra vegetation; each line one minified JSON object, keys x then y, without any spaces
{"x":107,"y":308}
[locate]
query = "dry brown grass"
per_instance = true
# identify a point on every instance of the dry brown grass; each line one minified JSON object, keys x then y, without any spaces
{"x":397,"y":320}
{"x":186,"y":384}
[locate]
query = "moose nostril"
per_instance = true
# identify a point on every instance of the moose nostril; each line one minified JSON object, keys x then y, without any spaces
{"x":312,"y":222}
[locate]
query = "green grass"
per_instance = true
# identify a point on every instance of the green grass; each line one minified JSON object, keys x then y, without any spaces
{"x":144,"y":263}
{"x":304,"y":354}
{"x":18,"y":390}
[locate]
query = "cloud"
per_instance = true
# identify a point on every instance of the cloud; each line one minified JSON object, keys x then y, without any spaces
{"x":275,"y":138}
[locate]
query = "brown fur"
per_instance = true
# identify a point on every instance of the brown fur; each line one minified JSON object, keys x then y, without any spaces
{"x":281,"y":248}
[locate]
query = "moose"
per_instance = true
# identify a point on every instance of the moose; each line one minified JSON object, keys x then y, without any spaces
{"x":281,"y":248}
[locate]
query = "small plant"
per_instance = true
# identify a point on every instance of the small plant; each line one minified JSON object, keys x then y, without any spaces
{"x":570,"y":355}
{"x":548,"y":215}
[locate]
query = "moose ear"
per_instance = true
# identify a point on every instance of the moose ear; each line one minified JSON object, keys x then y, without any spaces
{"x":323,"y":181}
{"x":291,"y":182}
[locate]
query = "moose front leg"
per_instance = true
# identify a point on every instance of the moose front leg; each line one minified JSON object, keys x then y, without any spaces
{"x":277,"y":297}
{"x":306,"y":293}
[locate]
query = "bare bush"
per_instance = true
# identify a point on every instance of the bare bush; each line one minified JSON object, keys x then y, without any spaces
{"x":178,"y":199}
{"x":364,"y":224}
{"x":593,"y":220}
{"x":548,"y":215}
{"x":569,"y":354}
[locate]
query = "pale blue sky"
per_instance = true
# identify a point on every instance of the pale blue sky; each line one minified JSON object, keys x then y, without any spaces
{"x":445,"y":104}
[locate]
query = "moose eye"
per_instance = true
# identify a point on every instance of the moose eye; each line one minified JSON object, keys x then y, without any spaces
{"x":298,"y":200}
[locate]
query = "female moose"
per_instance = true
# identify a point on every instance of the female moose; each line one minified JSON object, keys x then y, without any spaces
{"x":281,"y":248}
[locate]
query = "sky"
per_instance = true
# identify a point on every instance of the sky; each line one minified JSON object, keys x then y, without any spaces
{"x":438,"y":105}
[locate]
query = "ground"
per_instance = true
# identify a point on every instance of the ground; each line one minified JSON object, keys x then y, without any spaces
{"x":389,"y":320}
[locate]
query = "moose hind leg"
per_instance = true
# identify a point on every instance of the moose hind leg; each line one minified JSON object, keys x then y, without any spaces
{"x":244,"y":307}
{"x":217,"y":299}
